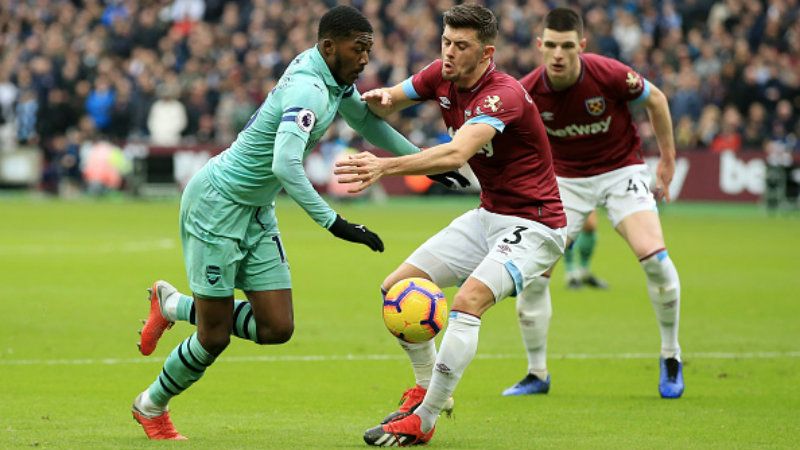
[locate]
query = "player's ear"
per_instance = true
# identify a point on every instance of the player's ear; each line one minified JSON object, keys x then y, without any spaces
{"x":582,"y":44}
{"x":539,"y":43}
{"x":328,"y":47}
{"x":488,"y":51}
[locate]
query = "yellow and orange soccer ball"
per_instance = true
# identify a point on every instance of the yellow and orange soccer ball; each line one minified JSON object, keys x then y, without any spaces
{"x":415,"y":310}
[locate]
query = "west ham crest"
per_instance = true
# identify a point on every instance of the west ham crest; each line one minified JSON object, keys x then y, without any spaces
{"x":595,"y":105}
{"x":634,"y":82}
{"x":493,"y":102}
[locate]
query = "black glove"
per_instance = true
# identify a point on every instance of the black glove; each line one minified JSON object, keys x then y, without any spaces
{"x":449,"y":179}
{"x":343,"y":229}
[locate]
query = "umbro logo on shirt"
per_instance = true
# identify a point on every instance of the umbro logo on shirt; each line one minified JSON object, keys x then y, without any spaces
{"x":444,"y":102}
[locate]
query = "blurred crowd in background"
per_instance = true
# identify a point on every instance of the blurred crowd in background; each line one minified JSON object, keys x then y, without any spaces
{"x":193,"y":71}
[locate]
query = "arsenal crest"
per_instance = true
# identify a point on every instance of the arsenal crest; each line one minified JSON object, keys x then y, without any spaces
{"x":213,"y":274}
{"x":595,"y":105}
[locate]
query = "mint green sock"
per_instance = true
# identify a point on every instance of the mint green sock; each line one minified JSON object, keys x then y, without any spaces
{"x":569,"y":258}
{"x":185,"y":309}
{"x":586,"y":242}
{"x":244,"y":325}
{"x":184,"y":366}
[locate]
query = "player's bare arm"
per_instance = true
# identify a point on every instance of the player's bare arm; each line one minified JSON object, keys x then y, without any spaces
{"x":658,"y":111}
{"x":365,"y":168}
{"x":387,"y":100}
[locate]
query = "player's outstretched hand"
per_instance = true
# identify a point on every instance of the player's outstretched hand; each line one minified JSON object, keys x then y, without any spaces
{"x":362,"y":169}
{"x":449,"y":179}
{"x":352,"y":232}
{"x":378,"y":97}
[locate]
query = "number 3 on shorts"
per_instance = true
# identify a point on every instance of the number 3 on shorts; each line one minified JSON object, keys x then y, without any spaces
{"x":517,"y":235}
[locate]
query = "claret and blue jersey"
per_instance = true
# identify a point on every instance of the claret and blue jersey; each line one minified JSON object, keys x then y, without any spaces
{"x":589,"y":123}
{"x":515,"y":169}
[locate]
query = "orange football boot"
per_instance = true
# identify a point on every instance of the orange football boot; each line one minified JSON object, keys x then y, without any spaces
{"x":409,"y":402}
{"x":404,"y":432}
{"x":156,"y":324}
{"x":158,"y":427}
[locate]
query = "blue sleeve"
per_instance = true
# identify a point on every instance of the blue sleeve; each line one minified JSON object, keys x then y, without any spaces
{"x":408,"y":89}
{"x":494,"y":122}
{"x":643,"y":96}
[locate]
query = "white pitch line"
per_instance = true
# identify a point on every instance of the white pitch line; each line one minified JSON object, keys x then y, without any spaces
{"x":379,"y":357}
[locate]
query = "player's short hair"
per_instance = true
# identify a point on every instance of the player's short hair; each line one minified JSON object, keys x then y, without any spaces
{"x":341,"y":21}
{"x":564,"y":19}
{"x":475,"y":17}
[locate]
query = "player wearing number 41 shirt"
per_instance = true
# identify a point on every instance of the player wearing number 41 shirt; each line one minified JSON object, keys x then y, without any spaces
{"x":493,"y":251}
{"x":583,"y":101}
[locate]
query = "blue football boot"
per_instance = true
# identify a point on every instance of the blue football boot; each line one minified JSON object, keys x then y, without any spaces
{"x":529,"y":385}
{"x":670,"y":383}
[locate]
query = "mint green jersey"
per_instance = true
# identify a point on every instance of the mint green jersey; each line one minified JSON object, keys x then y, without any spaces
{"x":268,"y":153}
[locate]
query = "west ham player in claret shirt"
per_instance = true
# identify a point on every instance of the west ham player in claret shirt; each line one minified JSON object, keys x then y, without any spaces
{"x":496,"y":250}
{"x":583,"y":101}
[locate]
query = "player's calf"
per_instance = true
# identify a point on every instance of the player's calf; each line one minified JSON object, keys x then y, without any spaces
{"x":664,"y":289}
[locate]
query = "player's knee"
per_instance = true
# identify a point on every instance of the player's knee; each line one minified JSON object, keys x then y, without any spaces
{"x":213,"y":341}
{"x":385,"y":287}
{"x":389,"y":282}
{"x":472,"y":302}
{"x":276,"y":333}
{"x":282,"y":334}
{"x":659,"y":269}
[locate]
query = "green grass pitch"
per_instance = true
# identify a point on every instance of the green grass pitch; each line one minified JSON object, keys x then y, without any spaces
{"x":73,"y":291}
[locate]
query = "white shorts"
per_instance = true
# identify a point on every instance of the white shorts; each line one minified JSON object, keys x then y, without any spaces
{"x":622,"y":192}
{"x":503,"y":252}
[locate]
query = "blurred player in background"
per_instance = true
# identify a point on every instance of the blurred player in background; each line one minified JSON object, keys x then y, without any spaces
{"x":493,"y":251}
{"x":583,"y":101}
{"x":228,"y":226}
{"x":578,"y":273}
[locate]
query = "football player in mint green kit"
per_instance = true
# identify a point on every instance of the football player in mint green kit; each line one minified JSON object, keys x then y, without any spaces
{"x":228,"y":227}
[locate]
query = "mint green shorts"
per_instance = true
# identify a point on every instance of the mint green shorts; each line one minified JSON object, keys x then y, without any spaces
{"x":228,"y":245}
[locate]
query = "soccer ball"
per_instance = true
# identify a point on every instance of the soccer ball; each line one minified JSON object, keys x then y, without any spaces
{"x":415,"y":310}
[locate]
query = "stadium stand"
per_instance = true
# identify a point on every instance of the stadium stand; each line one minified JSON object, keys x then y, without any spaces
{"x":75,"y":72}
